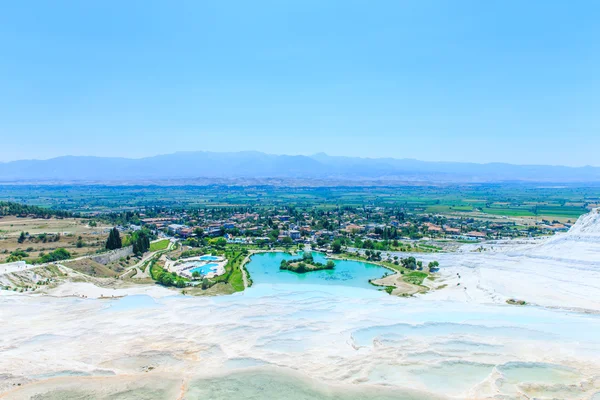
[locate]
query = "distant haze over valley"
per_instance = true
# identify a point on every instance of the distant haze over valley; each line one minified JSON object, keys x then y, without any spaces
{"x":257,"y":166}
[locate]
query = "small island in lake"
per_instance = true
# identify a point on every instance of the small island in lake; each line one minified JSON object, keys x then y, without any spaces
{"x":305,"y":264}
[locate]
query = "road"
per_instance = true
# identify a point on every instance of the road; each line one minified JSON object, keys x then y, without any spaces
{"x":144,"y":259}
{"x":13,"y":267}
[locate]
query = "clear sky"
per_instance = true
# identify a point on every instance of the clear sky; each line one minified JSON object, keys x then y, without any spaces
{"x":496,"y":80}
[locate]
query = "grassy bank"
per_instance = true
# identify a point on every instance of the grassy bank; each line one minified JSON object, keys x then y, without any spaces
{"x":160,"y":245}
{"x":409,"y":276}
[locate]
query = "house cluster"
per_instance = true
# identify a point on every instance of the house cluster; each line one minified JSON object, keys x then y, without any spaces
{"x":317,"y":226}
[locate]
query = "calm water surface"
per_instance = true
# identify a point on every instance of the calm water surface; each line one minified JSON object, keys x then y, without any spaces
{"x":264,"y":268}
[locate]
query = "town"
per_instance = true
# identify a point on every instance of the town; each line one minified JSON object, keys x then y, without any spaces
{"x":362,"y":227}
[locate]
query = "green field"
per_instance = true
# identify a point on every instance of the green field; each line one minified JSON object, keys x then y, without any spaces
{"x":520,"y":200}
{"x":509,"y":211}
{"x":160,"y":245}
{"x":415,"y":277}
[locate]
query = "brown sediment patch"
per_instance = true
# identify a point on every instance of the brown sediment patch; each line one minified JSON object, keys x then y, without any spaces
{"x":183,"y":390}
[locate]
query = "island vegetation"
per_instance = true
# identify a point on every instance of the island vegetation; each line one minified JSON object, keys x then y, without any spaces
{"x":305,"y":264}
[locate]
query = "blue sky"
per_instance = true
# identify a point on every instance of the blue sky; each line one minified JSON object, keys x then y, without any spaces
{"x":481,"y":81}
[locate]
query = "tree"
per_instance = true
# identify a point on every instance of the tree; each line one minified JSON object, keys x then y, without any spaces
{"x":433,"y":265}
{"x":166,"y":279}
{"x":196,"y":274}
{"x":205,"y":284}
{"x":410,"y":263}
{"x":273,"y":235}
{"x":141,"y":242}
{"x":21,"y":238}
{"x":199,"y":232}
{"x":17,"y":255}
{"x":308,"y":257}
{"x":114,"y":240}
{"x":287,"y":241}
{"x":56,"y":255}
{"x":336,"y":246}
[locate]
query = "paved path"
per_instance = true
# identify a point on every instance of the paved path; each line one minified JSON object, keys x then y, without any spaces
{"x":144,"y":259}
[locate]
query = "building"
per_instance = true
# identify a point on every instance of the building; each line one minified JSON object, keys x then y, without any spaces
{"x":476,"y":235}
{"x":185,"y":232}
{"x":352,"y":228}
{"x":213,"y":230}
{"x":178,"y":229}
{"x":447,"y":229}
{"x":433,"y":228}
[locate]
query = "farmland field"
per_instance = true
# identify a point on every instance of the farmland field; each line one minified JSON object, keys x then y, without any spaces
{"x":46,"y":235}
{"x":494,"y":200}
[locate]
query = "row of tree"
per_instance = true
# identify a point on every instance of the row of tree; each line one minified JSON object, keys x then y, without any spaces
{"x":412,"y":263}
{"x":140,"y":240}
{"x":11,"y":208}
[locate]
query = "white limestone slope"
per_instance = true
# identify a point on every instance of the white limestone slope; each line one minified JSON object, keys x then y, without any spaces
{"x":346,"y":337}
{"x":587,"y":225}
{"x":560,"y":271}
{"x":155,"y":346}
{"x":580,"y":244}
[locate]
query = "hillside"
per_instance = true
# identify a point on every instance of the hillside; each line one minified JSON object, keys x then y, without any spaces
{"x":256,"y":165}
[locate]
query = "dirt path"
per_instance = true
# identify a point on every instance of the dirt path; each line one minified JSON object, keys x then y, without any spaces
{"x":147,"y":258}
{"x":246,"y":260}
{"x":243,"y":269}
{"x":401,"y":287}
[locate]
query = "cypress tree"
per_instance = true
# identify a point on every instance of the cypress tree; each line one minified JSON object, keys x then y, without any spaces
{"x":114,"y":240}
{"x":110,"y":241}
{"x":118,"y":241}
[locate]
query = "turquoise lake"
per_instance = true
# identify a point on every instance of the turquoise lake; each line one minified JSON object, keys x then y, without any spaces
{"x":264,"y":268}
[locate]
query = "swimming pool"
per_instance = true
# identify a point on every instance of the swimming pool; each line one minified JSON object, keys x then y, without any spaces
{"x":209,"y":258}
{"x":205,"y":268}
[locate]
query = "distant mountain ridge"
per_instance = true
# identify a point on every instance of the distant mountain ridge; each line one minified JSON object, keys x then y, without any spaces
{"x":257,"y":165}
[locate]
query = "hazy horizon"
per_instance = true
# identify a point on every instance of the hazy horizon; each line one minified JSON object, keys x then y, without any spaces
{"x":297,"y":154}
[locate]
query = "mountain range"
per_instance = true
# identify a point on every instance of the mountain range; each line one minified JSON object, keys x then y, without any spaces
{"x":256,"y":165}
